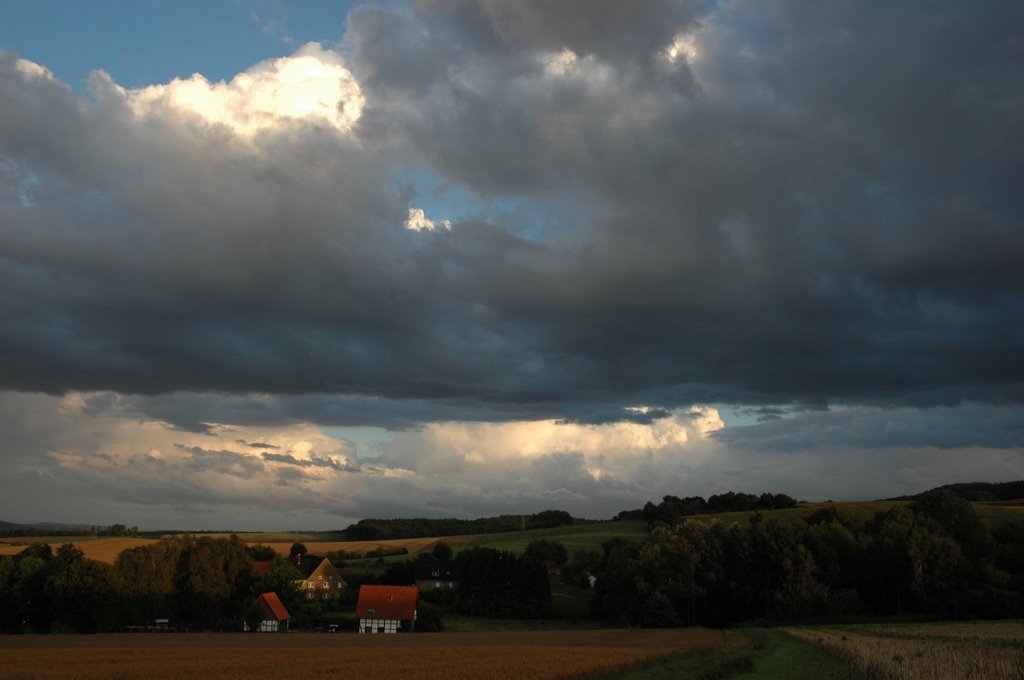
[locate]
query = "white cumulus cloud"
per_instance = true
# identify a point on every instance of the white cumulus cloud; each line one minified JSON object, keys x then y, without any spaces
{"x":313,"y":85}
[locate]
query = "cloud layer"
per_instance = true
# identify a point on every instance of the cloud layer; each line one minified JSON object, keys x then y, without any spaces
{"x":499,"y":213}
{"x":772,"y":215}
{"x":97,"y":458}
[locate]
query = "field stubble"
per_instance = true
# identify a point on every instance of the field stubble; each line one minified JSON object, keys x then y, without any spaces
{"x":965,"y":651}
{"x":490,"y":656}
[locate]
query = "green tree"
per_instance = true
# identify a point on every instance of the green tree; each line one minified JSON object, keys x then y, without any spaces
{"x":429,"y":618}
{"x":441,"y":551}
{"x":550,"y":518}
{"x":281,"y":579}
{"x":32,"y":606}
{"x":8,"y":612}
{"x":81,"y":592}
{"x":582,"y":566}
{"x":40,"y":550}
{"x":657,"y":611}
{"x":911,"y":561}
{"x":260,"y":552}
{"x":545,"y":550}
{"x":501,"y":584}
{"x":615,"y":593}
{"x":146,"y":580}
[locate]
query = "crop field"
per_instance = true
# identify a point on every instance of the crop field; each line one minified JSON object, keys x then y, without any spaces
{"x":964,"y":650}
{"x":100,"y":549}
{"x":494,"y":656}
{"x":413,"y":545}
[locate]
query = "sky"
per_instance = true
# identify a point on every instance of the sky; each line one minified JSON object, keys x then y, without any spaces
{"x":284,"y":265}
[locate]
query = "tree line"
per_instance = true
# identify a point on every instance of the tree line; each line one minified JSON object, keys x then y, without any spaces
{"x":421,"y":527}
{"x":203,"y":582}
{"x":932,"y":556}
{"x":672,"y":509}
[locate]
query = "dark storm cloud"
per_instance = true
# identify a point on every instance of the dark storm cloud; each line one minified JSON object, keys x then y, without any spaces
{"x":256,"y":445}
{"x":970,"y":425}
{"x":813,"y":204}
{"x":611,"y":29}
{"x":222,"y":462}
{"x":314,"y":461}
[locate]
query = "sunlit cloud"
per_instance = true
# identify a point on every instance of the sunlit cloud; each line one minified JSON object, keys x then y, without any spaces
{"x":684,"y":47}
{"x":311,"y":86}
{"x":418,"y":221}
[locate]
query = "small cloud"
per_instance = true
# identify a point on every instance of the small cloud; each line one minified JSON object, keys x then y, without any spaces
{"x":682,"y":48}
{"x":418,"y":222}
{"x":315,"y":461}
{"x":256,"y":445}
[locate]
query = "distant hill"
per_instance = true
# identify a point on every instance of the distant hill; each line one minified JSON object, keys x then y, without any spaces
{"x":978,"y":491}
{"x":42,"y":529}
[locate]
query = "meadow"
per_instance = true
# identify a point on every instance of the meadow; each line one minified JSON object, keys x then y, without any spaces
{"x":488,"y":655}
{"x":983,"y":650}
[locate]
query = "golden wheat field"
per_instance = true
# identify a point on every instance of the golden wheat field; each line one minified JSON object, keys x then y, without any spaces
{"x":413,"y":545}
{"x":107,"y":549}
{"x":100,"y":549}
{"x":934,"y":651}
{"x":452,"y":656}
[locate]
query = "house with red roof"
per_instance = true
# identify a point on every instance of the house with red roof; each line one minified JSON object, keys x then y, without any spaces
{"x":383,"y":609}
{"x":267,"y":615}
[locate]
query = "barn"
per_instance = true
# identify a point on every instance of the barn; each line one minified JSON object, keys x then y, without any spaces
{"x":266,"y":615}
{"x":382,"y":609}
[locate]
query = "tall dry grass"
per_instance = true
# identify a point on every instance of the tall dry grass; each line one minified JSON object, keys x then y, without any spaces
{"x":961,"y":651}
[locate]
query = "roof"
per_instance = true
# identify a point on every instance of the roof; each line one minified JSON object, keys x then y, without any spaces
{"x":387,"y":602}
{"x":436,"y":570}
{"x":260,"y":568}
{"x":270,"y":603}
{"x":307,"y":564}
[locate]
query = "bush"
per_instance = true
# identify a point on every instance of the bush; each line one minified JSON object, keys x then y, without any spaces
{"x":428,"y":618}
{"x":657,"y":612}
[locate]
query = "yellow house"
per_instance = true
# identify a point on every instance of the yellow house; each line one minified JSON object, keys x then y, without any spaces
{"x":321,"y":581}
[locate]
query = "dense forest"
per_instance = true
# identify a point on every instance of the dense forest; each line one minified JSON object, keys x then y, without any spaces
{"x":932,"y":556}
{"x":204,"y":582}
{"x":979,"y":491}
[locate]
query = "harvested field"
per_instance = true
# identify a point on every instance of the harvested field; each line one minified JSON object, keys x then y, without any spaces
{"x":413,"y":545}
{"x":100,"y":549}
{"x":528,"y":654}
{"x":966,"y":651}
{"x":107,"y":549}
